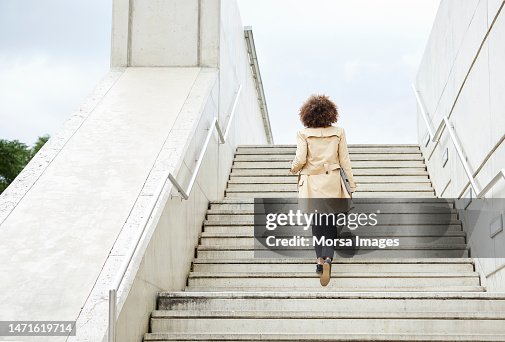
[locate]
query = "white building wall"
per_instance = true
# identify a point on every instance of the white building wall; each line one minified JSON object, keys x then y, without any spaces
{"x":462,"y":76}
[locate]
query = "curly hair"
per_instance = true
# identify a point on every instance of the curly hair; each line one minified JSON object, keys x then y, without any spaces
{"x":318,"y":111}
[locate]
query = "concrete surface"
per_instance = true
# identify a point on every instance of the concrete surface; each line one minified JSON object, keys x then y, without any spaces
{"x":462,"y":76}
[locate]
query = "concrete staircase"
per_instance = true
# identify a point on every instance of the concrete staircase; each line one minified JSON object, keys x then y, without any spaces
{"x":232,"y":296}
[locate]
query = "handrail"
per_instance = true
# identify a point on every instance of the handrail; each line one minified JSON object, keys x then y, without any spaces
{"x":255,"y":69}
{"x":424,"y":112}
{"x":185,"y":193}
{"x":157,"y":193}
{"x":232,"y":113}
{"x":459,"y":150}
{"x":492,"y":182}
{"x":222,"y":137}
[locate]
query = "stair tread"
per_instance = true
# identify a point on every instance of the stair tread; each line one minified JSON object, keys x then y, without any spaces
{"x":441,"y":289}
{"x":285,"y":314}
{"x":321,"y":337}
{"x":237,"y":221}
{"x":342,"y":261}
{"x":392,"y":210}
{"x":335,"y":274}
{"x":316,"y":294}
{"x":418,"y":171}
{"x":228,"y":235}
{"x":247,"y":200}
{"x":354,"y":157}
{"x":360,"y":180}
{"x":403,"y":247}
{"x":349,"y":145}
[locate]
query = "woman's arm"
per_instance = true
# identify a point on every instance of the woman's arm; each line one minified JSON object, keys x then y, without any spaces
{"x":301,"y":153}
{"x":345,"y":160}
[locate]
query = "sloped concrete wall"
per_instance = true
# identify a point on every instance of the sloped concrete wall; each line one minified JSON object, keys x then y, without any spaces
{"x":58,"y":236}
{"x":462,"y":75}
{"x":69,"y":219}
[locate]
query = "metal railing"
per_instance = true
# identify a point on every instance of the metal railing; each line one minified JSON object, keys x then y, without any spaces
{"x":492,"y":182}
{"x":185,"y":193}
{"x":255,"y":69}
{"x":435,"y":137}
{"x":159,"y":190}
{"x":222,"y":137}
{"x":445,"y":123}
{"x":424,"y":112}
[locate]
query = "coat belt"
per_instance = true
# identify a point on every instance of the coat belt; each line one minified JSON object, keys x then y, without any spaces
{"x":325,"y":168}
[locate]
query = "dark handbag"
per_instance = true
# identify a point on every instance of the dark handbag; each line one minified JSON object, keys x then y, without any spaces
{"x":346,"y":181}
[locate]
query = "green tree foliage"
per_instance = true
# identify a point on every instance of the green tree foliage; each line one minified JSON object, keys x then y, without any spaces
{"x":38,"y":144}
{"x":14,"y":155}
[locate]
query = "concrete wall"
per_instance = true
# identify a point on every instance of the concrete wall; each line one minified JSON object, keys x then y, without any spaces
{"x":171,"y":249}
{"x":235,"y":71}
{"x":69,"y":219}
{"x":165,"y":33}
{"x":462,"y":76}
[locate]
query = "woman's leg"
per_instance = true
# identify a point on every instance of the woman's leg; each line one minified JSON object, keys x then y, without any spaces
{"x":318,"y":232}
{"x":330,"y":232}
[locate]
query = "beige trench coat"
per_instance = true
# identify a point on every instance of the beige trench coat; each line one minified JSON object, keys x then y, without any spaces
{"x":320,"y":153}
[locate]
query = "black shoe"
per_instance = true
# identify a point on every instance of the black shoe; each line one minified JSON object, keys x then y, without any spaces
{"x":319,"y":269}
{"x":326,"y":276}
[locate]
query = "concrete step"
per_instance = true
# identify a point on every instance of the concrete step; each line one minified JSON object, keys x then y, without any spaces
{"x":339,"y":279}
{"x":451,"y":251}
{"x":370,"y":250}
{"x":291,"y":179}
{"x":385,"y":205}
{"x":290,"y":149}
{"x":344,"y":261}
{"x":352,"y":150}
{"x":349,"y":145}
{"x":382,"y":218}
{"x":248,"y":231}
{"x":260,"y":314}
{"x":324,"y":301}
{"x":354,"y":157}
{"x":442,"y":202}
{"x":385,"y":208}
{"x":268,"y":322}
{"x":224,"y":266}
{"x":419,"y":230}
{"x":322,"y":337}
{"x":232,"y":187}
{"x":398,"y":222}
{"x":357,"y":194}
{"x":267,"y":172}
{"x":360,"y":164}
{"x":317,"y":287}
{"x":410,"y":240}
{"x":418,"y":235}
{"x":238,"y":229}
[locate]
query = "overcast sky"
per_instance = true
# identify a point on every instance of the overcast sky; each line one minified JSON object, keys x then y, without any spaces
{"x":363,"y":53}
{"x":52,"y":54}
